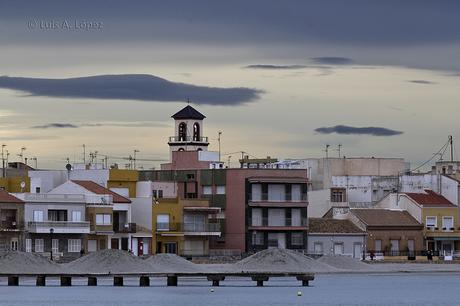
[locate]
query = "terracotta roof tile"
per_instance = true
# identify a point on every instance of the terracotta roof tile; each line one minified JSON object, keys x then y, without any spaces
{"x":429,"y":198}
{"x":98,"y":189}
{"x":384,"y":217}
{"x":5,"y":197}
{"x":323,"y":225}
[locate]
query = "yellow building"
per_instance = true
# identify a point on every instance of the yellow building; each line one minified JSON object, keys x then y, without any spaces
{"x":14,"y":184}
{"x":183,"y":226}
{"x":120,"y":179}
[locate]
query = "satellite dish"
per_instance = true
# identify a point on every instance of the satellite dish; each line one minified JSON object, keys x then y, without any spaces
{"x":68,"y":167}
{"x":23,"y":184}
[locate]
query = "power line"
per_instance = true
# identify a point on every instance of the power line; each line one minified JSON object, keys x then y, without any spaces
{"x":434,"y":155}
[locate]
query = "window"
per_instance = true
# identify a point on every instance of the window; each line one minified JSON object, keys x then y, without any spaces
{"x":207,"y":189}
{"x":103,"y":219}
{"x":14,"y":244}
{"x":297,"y":239}
{"x":76,"y":216}
{"x":448,"y":223}
{"x":194,"y":222}
{"x":182,"y":131}
{"x":411,"y":245}
{"x":73,"y":245}
{"x":378,"y":245}
{"x":190,"y":176}
{"x":276,"y":217}
{"x":163,"y":222}
{"x":39,"y":245}
{"x":38,"y":215}
{"x":431,"y":222}
{"x":170,"y":247}
{"x":338,"y":248}
{"x":257,"y":238}
{"x":157,"y":194}
{"x":37,"y":189}
{"x":256,"y":217}
{"x":296,"y":193}
{"x":296,"y":219}
{"x":276,"y":193}
{"x":55,"y":245}
{"x":196,"y":132}
{"x":318,"y":248}
{"x":394,"y":243}
{"x":220,"y":189}
{"x":57,"y":215}
{"x":28,"y":245}
{"x":337,"y":196}
{"x":256,"y":192}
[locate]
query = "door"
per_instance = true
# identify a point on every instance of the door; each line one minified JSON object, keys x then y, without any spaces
{"x":92,"y":245}
{"x":447,"y":248}
{"x":114,"y":243}
{"x":394,"y":247}
{"x":338,"y":248}
{"x":140,"y":247}
{"x":357,"y":250}
{"x":124,"y":244}
{"x":281,"y":240}
{"x":55,"y":246}
{"x":14,"y":244}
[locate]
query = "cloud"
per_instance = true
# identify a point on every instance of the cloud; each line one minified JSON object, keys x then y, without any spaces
{"x":350,"y":130}
{"x":275,"y":67}
{"x":55,"y":125}
{"x":424,"y":82}
{"x":114,"y":124}
{"x":141,"y":87}
{"x":332,"y":60}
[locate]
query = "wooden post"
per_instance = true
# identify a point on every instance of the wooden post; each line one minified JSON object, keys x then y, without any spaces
{"x":216,"y":279}
{"x":92,"y":281}
{"x":13,"y":280}
{"x":260,"y":279}
{"x":66,"y":281}
{"x":144,"y":281}
{"x":41,"y":281}
{"x":118,"y":281}
{"x":171,"y":281}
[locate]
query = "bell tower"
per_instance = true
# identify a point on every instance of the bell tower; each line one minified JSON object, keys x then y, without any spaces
{"x":188,"y":132}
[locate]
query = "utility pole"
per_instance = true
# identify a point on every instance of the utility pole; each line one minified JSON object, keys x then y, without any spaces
{"x":338,"y":149}
{"x":218,"y":139}
{"x":134,"y":161}
{"x":84,"y":155}
{"x":3,"y":161}
{"x":451,"y":142}
{"x":21,"y":155}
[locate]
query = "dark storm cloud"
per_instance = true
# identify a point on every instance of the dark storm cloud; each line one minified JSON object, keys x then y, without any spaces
{"x":424,"y":82}
{"x":275,"y":67}
{"x":130,"y":87}
{"x":350,"y":130}
{"x":332,"y":60}
{"x":55,"y":125}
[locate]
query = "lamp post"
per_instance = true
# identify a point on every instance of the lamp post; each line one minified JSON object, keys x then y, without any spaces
{"x":51,"y":237}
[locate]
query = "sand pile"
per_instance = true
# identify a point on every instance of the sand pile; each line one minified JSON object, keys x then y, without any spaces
{"x":281,"y":260}
{"x":345,"y":263}
{"x":109,"y":261}
{"x":171,"y":263}
{"x":28,"y":263}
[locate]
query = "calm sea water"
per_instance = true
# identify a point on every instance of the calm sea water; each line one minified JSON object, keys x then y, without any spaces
{"x":401,"y":289}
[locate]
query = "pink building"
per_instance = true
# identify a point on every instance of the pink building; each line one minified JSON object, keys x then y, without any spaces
{"x":261,"y":207}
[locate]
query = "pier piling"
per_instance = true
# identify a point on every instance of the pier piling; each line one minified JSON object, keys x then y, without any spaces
{"x":41,"y":281}
{"x":144,"y":281}
{"x":118,"y":281}
{"x":216,"y":279}
{"x":171,"y":281}
{"x":92,"y":281}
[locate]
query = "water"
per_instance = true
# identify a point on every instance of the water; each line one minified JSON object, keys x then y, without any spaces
{"x":400,"y":289}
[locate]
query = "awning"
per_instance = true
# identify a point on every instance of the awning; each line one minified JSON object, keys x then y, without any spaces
{"x":447,"y":238}
{"x":205,"y":209}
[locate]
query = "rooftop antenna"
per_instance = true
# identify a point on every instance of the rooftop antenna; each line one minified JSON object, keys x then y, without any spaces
{"x":134,"y":159}
{"x":35,"y":162}
{"x":21,"y":155}
{"x":339,"y":147}
{"x":84,"y":155}
{"x":188,"y":101}
{"x":228,"y":161}
{"x":3,"y":161}
{"x":218,"y":139}
{"x":451,"y":143}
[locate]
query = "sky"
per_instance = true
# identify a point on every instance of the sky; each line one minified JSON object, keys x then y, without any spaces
{"x":278,"y":78}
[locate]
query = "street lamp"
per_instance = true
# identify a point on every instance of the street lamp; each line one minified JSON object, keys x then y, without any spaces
{"x":51,"y":237}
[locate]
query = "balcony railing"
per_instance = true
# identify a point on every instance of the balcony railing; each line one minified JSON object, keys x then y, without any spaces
{"x":188,"y":227}
{"x":125,"y":228}
{"x":267,"y":222}
{"x":187,"y":139}
{"x":288,"y":197}
{"x":59,"y":227}
{"x":9,"y":225}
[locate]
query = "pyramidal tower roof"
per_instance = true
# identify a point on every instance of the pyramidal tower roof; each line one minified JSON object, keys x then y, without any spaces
{"x":188,"y":112}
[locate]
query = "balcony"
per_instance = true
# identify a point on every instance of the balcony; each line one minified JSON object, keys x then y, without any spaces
{"x":187,"y":139}
{"x":190,"y":229}
{"x":10,"y":226}
{"x":289,"y":200}
{"x":278,"y":224}
{"x":125,"y":228}
{"x":59,"y":227}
